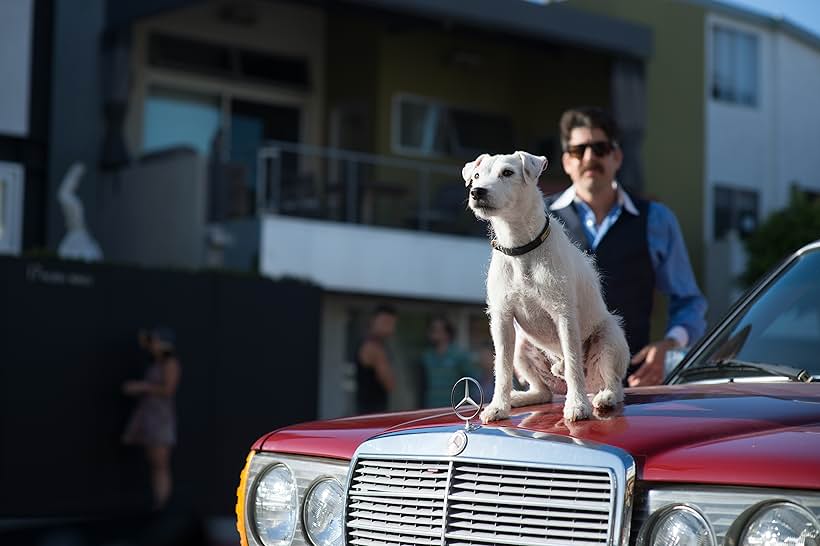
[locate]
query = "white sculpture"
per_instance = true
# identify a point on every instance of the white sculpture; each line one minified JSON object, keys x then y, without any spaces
{"x":217,"y":239}
{"x":77,"y":244}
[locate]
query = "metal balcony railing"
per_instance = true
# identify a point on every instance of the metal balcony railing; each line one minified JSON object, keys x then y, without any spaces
{"x":332,"y":184}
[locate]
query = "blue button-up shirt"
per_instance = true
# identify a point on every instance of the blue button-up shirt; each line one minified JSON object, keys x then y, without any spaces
{"x":667,"y":250}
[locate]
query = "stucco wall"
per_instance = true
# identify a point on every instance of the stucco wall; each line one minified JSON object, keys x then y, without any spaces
{"x":16,"y":30}
{"x":153,"y":213}
{"x":739,"y":138}
{"x":765,"y":148}
{"x":797,"y":128}
{"x":531,"y":82}
{"x":673,"y":151}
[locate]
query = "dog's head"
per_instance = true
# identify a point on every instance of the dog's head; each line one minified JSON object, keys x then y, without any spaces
{"x":498,"y":184}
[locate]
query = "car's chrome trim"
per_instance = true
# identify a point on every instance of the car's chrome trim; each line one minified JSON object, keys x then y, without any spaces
{"x":750,"y":379}
{"x":808,"y":248}
{"x":511,"y":447}
{"x":645,"y":531}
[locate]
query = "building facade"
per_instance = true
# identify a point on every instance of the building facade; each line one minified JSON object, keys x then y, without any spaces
{"x":732,"y":104}
{"x":318,"y":140}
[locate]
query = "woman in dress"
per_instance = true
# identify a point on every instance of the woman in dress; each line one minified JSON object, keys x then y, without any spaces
{"x":153,"y":423}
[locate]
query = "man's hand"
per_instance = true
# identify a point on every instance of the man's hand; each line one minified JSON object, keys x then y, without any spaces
{"x":653,"y":357}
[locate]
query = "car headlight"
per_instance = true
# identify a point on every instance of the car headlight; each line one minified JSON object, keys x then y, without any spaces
{"x":322,"y":516}
{"x":678,"y":525}
{"x":275,"y":506}
{"x":781,"y":524}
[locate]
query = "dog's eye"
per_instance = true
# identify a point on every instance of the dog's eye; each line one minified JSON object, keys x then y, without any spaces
{"x":475,"y":176}
{"x":507,"y":172}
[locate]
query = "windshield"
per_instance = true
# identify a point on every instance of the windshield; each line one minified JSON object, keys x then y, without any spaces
{"x":781,"y":326}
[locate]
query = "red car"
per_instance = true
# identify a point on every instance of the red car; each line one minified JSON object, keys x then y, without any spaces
{"x":727,"y":452}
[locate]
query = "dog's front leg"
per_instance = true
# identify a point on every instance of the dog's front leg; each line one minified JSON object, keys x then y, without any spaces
{"x":503,"y":333}
{"x":576,"y":406}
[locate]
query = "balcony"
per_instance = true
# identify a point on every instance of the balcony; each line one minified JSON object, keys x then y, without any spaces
{"x":346,"y":221}
{"x":366,"y":224}
{"x":294,"y":179}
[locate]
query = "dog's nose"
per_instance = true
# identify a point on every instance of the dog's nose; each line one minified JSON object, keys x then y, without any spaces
{"x":478,"y":193}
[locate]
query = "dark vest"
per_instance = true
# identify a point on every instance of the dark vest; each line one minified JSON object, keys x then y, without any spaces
{"x":625,"y":266}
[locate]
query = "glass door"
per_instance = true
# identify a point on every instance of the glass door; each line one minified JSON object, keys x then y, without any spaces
{"x":254,"y":123}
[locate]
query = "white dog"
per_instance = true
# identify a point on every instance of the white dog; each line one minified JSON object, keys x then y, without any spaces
{"x":541,"y":282}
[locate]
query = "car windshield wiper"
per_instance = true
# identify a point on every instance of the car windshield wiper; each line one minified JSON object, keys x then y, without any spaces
{"x":793,"y":374}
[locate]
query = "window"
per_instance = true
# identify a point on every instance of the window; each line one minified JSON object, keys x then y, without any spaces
{"x":430,"y":128}
{"x":734,"y":66}
{"x":11,"y":207}
{"x":210,"y":59}
{"x":176,"y":118}
{"x":811,"y":196}
{"x":735,"y":210}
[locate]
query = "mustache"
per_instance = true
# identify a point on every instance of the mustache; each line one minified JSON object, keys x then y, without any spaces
{"x":593,"y":166}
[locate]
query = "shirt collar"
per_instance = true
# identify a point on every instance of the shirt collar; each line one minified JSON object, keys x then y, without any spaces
{"x":568,"y":197}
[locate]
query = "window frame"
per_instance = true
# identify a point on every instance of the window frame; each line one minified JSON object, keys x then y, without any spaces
{"x":307,"y":100}
{"x":396,"y":145}
{"x":226,"y":95}
{"x":734,"y":35}
{"x":734,"y":190}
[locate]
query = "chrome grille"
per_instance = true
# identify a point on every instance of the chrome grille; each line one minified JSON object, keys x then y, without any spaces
{"x":537,"y":506}
{"x":405,"y":502}
{"x":393,"y":502}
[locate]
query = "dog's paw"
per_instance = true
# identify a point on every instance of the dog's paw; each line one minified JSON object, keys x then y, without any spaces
{"x":494,"y":412}
{"x":578,"y":410}
{"x":605,"y":399}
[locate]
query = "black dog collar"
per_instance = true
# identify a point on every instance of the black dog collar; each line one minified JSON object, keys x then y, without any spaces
{"x":532,"y":245}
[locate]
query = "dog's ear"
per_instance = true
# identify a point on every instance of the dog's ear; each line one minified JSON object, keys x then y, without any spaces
{"x":533,"y":166}
{"x":469,"y":168}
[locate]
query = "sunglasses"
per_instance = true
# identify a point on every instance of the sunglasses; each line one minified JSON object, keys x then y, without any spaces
{"x":600,"y":148}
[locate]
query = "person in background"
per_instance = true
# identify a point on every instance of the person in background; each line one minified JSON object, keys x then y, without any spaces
{"x":443,"y":364}
{"x":637,"y":244}
{"x":375,"y":378}
{"x":486,"y":367}
{"x":153,"y":422}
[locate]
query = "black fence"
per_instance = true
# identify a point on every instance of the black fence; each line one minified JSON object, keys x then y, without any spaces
{"x":249,"y":353}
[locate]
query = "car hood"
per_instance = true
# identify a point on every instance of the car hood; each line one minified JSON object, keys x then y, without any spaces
{"x":743,"y":434}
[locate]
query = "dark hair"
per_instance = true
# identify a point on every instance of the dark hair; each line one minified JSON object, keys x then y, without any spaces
{"x":590,"y":117}
{"x":448,"y":326}
{"x":384,"y":309}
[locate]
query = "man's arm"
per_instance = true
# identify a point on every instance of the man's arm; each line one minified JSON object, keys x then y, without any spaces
{"x":673,"y":277}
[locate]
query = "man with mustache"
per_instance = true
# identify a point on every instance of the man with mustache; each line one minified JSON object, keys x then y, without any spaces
{"x":637,"y":244}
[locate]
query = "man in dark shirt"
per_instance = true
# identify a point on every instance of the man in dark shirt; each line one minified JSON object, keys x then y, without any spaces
{"x":374,"y":371}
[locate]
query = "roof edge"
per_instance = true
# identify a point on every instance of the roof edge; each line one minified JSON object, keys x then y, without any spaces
{"x":553,"y":22}
{"x":761,"y":18}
